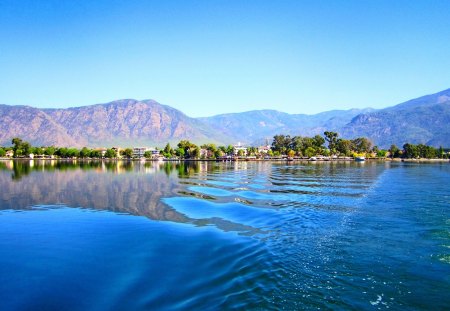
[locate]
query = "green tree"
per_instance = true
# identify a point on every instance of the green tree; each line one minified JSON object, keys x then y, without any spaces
{"x":190,"y":150}
{"x":344,"y":146}
{"x":168,"y":152}
{"x":180,"y":152}
{"x":252,"y":151}
{"x":331,"y":138}
{"x":110,"y":153}
{"x":127,"y":153}
{"x":17,"y":144}
{"x":394,"y":151}
{"x":229,"y":150}
{"x":85,"y":152}
{"x":194,"y":152}
{"x":281,"y":143}
{"x":148,"y":154}
{"x":362,"y":144}
{"x":441,"y":152}
{"x":50,"y":151}
{"x":73,"y":153}
{"x":310,"y":151}
{"x":61,"y":152}
{"x":318,"y":142}
{"x":2,"y":152}
{"x":20,"y":147}
{"x":38,"y":151}
{"x":410,"y":151}
{"x":26,"y":148}
{"x":381,"y":153}
{"x":425,"y":151}
{"x":223,"y":149}
{"x":218,"y":153}
{"x":297,"y":144}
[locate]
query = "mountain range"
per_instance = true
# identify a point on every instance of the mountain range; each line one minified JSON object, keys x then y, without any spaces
{"x":130,"y":122}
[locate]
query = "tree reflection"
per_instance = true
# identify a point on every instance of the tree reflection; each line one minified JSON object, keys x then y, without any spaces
{"x":131,"y":187}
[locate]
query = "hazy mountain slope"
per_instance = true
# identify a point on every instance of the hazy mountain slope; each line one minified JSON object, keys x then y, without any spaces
{"x":436,"y":98}
{"x":259,"y":125}
{"x":131,"y":122}
{"x":122,"y":123}
{"x":424,"y":120}
{"x":33,"y":125}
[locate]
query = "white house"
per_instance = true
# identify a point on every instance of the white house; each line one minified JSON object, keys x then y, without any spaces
{"x":263,"y":149}
{"x":139,"y":152}
{"x":238,"y":148}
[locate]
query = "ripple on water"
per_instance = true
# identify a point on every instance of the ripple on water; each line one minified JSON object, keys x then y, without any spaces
{"x":233,"y":212}
{"x":212,"y":191}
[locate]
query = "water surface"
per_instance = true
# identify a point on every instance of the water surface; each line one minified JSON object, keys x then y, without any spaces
{"x":205,"y":235}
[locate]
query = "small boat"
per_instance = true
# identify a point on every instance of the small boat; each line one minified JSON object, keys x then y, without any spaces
{"x":360,"y":159}
{"x":313,"y":159}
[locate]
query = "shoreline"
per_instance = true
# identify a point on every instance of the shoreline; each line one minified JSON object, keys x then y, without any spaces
{"x":421,"y":160}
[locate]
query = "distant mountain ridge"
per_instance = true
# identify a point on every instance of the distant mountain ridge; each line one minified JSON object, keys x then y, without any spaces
{"x":259,"y":125}
{"x":131,"y":122}
{"x":126,"y":122}
{"x":423,"y":120}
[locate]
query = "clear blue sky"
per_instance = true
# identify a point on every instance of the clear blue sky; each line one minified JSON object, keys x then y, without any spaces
{"x":211,"y":57}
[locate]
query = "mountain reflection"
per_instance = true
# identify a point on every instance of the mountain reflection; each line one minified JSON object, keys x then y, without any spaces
{"x":120,"y":186}
{"x":140,"y":188}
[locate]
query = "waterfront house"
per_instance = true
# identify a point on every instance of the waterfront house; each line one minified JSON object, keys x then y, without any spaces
{"x":102,"y":151}
{"x":238,"y":148}
{"x":9,"y":154}
{"x":138,"y":152}
{"x":264,"y":149}
{"x":205,"y":153}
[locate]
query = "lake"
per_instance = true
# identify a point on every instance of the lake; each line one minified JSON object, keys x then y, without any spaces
{"x":236,"y":235}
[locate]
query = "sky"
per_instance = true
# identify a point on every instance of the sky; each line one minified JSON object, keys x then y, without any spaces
{"x":212,"y":57}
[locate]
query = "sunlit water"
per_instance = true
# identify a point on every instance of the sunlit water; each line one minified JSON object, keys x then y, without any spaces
{"x":208,"y":236}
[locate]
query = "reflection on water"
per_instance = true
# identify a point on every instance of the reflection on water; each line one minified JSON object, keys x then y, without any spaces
{"x":140,"y":188}
{"x":240,"y":235}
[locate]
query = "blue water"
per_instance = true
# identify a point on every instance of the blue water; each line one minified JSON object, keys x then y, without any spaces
{"x":209,"y":236}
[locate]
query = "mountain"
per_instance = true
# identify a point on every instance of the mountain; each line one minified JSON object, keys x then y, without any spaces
{"x":32,"y":124}
{"x":123,"y":123}
{"x":132,"y":122}
{"x":423,"y":120}
{"x":259,"y":125}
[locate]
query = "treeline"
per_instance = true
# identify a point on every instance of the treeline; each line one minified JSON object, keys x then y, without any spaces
{"x":184,"y":149}
{"x":314,"y":146}
{"x":330,"y":144}
{"x":22,"y":148}
{"x":412,"y":151}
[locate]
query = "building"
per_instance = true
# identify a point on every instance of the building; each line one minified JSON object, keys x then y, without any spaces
{"x":9,"y":153}
{"x":155,"y":152}
{"x":102,"y":151}
{"x":139,"y":152}
{"x":205,"y":153}
{"x":264,"y":149}
{"x":238,"y":148}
